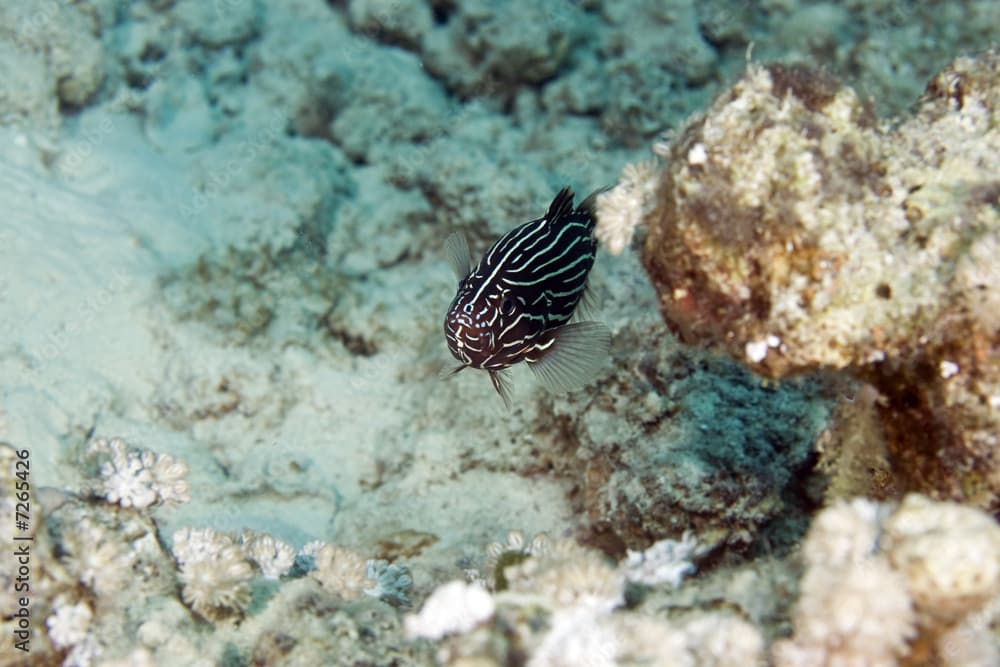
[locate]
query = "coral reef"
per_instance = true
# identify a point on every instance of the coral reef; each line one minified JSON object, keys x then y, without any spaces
{"x":685,"y":441}
{"x":913,"y":584}
{"x":560,"y":610}
{"x":797,"y":233}
{"x":220,"y":239}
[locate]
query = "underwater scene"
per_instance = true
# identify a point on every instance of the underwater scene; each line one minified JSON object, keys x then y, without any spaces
{"x":500,"y":333}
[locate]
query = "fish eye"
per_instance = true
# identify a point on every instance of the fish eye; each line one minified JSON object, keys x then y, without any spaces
{"x":507,"y":306}
{"x":467,"y":309}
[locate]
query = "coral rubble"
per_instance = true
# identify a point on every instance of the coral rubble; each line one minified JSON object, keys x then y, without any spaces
{"x":798,"y":233}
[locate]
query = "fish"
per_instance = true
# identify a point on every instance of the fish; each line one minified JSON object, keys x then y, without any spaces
{"x":517,"y":303}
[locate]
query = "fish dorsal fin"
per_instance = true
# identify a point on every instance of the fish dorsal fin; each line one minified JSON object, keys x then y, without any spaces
{"x":574,"y":354}
{"x":561,"y":205}
{"x":502,"y":383}
{"x":457,"y":249}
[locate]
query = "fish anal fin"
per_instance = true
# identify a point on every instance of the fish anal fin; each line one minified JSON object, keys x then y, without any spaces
{"x":571,"y":356}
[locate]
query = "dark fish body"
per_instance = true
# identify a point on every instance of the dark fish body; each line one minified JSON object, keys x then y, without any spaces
{"x":516,"y":303}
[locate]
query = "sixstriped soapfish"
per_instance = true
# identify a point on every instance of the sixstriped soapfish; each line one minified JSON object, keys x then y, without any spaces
{"x":516,"y":304}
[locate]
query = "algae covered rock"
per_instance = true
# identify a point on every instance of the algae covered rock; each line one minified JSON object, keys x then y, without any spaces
{"x":795,"y":231}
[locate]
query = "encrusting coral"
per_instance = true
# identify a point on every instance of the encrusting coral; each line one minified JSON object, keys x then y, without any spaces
{"x":797,"y":233}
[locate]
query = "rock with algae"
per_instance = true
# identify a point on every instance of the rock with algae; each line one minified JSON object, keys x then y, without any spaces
{"x":794,"y":230}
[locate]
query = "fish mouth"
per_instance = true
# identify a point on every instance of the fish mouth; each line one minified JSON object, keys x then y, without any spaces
{"x":456,"y":323}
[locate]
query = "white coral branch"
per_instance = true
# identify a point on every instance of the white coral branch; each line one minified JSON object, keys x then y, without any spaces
{"x":667,"y":561}
{"x":624,"y":207}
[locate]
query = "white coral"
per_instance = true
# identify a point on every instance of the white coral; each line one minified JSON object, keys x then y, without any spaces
{"x":720,"y":640}
{"x":341,"y":571}
{"x":950,"y":555}
{"x":453,"y":608}
{"x":622,"y":208}
{"x":214,"y":571}
{"x":139,"y":478}
{"x":97,"y":557}
{"x":847,"y":532}
{"x":274,"y":557}
{"x":69,"y":623}
{"x":858,"y":614}
{"x":577,"y":636}
{"x":568,"y":575}
{"x":666,"y":561}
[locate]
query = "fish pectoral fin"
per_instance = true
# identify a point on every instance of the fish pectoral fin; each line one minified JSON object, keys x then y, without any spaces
{"x":445,"y":373}
{"x":575,"y":353}
{"x":502,"y":383}
{"x":459,"y":257}
{"x":587,"y":306}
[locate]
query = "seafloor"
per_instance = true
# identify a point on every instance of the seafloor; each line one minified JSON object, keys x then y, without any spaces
{"x":226,"y":435}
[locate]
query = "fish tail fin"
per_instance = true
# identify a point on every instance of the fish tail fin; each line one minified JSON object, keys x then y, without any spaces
{"x":574,"y":356}
{"x":589,"y":204}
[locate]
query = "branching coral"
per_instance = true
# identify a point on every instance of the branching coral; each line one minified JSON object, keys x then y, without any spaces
{"x":666,"y":562}
{"x":563,"y":609}
{"x":624,"y":207}
{"x":453,"y":608}
{"x":883,"y":588}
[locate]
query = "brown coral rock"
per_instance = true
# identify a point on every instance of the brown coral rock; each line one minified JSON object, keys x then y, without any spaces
{"x":796,"y":233}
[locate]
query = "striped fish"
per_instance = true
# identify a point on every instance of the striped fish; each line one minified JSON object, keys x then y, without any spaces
{"x":516,"y":304}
